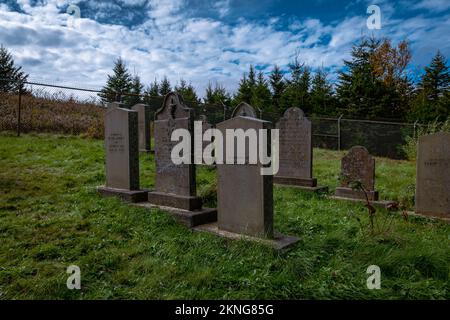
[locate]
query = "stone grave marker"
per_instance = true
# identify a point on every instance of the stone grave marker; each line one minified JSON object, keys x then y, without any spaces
{"x":296,"y":151}
{"x":122,"y":155}
{"x":357,"y":166}
{"x":175,"y":184}
{"x":144,"y":123}
{"x":433,"y":176}
{"x":244,"y":195}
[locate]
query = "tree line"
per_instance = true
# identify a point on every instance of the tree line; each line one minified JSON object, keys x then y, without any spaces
{"x":375,"y":83}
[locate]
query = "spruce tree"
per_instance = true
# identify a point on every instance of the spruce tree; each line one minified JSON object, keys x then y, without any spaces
{"x":187,"y":91}
{"x":165,"y":87}
{"x":433,"y":97}
{"x":11,"y":76}
{"x":261,"y":96}
{"x":297,"y":92}
{"x":118,"y":83}
{"x":321,"y":94}
{"x":137,"y":90}
{"x":217,"y":95}
{"x":277,"y":85}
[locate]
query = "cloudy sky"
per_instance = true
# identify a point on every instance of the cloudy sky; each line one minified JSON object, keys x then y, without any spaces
{"x":203,"y":41}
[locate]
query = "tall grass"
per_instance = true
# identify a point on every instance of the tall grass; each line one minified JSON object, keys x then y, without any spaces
{"x":410,"y":148}
{"x":53,"y":114}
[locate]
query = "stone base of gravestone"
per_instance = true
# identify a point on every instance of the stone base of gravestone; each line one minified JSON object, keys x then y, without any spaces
{"x":377,"y":203}
{"x":277,"y":242}
{"x":126,"y":195}
{"x":190,"y":219}
{"x":187,"y":210}
{"x":343,"y":192}
{"x":175,"y":201}
{"x":302,"y":184}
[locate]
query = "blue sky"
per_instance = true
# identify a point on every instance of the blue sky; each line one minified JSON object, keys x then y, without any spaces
{"x":203,"y":41}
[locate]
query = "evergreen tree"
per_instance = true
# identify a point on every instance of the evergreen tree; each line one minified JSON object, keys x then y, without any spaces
{"x":244,"y":91}
{"x":261,"y":96}
{"x":322,"y":94}
{"x":297,"y":92}
{"x":217,"y":95}
{"x":9,"y":71}
{"x":277,"y":85}
{"x":165,"y":87}
{"x":118,"y":83}
{"x":433,"y":97}
{"x":187,"y":91}
{"x":360,"y":93}
{"x":137,"y":90}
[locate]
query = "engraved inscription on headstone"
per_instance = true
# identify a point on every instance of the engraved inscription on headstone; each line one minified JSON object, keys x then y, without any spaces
{"x":122,"y":155}
{"x":296,"y":152}
{"x":433,"y":176}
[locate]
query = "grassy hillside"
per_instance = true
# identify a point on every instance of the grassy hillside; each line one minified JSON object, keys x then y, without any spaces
{"x":51,"y":217}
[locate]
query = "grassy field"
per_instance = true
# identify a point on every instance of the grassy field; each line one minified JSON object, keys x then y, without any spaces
{"x":51,"y":217}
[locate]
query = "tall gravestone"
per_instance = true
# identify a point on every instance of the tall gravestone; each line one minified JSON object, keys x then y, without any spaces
{"x":296,"y":151}
{"x":244,"y":195}
{"x":357,"y":166}
{"x":175,"y":184}
{"x":122,"y":155}
{"x":433,"y":176}
{"x":144,"y":122}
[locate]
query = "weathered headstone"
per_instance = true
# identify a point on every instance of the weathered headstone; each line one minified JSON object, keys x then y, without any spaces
{"x":296,"y":151}
{"x":357,"y":166}
{"x":433,"y":176}
{"x":144,"y":122}
{"x":122,"y":155}
{"x":175,"y":184}
{"x":244,"y":195}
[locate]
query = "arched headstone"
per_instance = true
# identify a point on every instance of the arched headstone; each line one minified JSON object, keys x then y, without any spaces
{"x":175,"y":184}
{"x":296,"y":151}
{"x":357,"y":166}
{"x":244,"y":110}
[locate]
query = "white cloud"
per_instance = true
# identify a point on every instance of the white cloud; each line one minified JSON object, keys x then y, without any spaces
{"x":196,"y":49}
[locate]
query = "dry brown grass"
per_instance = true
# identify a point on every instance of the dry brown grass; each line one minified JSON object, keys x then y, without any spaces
{"x":51,"y":115}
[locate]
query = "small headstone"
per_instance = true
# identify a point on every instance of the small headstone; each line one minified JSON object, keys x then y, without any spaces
{"x":144,"y":123}
{"x":175,"y":184}
{"x":244,"y":195}
{"x":296,"y":151}
{"x":433,"y":176}
{"x":357,"y":166}
{"x":122,"y":155}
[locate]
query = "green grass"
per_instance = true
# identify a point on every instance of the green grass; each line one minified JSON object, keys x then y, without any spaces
{"x":51,"y":217}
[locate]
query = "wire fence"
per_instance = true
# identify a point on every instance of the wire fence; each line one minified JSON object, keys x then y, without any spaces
{"x":42,"y":107}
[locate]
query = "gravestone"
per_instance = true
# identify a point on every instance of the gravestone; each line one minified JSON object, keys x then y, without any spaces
{"x":175,"y":184}
{"x":433,"y":176}
{"x":244,"y":195}
{"x":296,"y":151}
{"x":144,"y":123}
{"x":122,"y":155}
{"x":357,"y":166}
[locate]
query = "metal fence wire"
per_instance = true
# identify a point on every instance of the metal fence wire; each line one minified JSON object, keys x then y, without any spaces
{"x":43,"y":107}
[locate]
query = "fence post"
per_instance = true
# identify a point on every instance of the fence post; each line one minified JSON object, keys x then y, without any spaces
{"x":415,"y":127}
{"x":339,"y":132}
{"x":19,"y":110}
{"x":224,"y":110}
